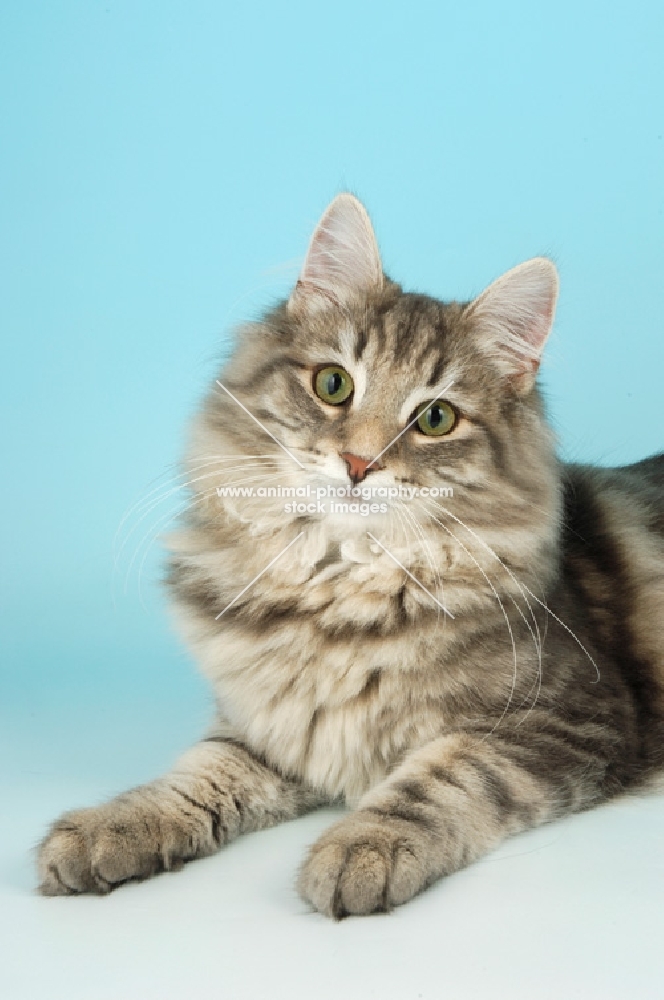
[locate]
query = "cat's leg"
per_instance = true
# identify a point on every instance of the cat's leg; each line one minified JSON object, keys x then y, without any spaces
{"x":217,"y":790}
{"x":446,"y":805}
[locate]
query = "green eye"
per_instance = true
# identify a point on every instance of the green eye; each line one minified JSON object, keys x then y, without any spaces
{"x":438,"y":419}
{"x":333,"y":385}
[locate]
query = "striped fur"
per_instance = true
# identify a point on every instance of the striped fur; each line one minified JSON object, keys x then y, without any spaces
{"x":336,"y":675}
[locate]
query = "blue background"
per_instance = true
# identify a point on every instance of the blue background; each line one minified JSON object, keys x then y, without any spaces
{"x":162,"y":167}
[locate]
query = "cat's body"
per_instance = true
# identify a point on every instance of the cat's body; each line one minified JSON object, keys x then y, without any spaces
{"x":337,"y":702}
{"x":454,"y":670}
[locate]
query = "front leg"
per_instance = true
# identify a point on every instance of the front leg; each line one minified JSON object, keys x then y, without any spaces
{"x":217,"y":790}
{"x":445,"y":806}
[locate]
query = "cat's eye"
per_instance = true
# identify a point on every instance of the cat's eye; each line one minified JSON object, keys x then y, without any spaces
{"x":437,"y":419}
{"x":333,"y":385}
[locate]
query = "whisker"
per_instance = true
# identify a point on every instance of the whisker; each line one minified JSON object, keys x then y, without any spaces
{"x":155,"y":528}
{"x":175,"y":489}
{"x":535,"y":635}
{"x":404,"y":528}
{"x":534,"y":596}
{"x":213,"y":459}
{"x":495,"y":555}
{"x":502,"y":608}
{"x":568,"y":630}
{"x":424,"y":542}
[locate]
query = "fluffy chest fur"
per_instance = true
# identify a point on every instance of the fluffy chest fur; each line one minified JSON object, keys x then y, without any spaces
{"x":332,"y":674}
{"x":324,"y":711}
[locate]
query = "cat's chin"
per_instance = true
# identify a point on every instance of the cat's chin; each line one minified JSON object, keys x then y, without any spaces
{"x":340,"y":526}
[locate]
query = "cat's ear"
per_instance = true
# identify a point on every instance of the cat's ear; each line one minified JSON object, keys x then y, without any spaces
{"x":342,"y":260}
{"x":513,"y":318}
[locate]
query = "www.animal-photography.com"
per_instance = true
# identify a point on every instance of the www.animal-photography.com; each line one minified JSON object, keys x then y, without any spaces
{"x":333,"y":563}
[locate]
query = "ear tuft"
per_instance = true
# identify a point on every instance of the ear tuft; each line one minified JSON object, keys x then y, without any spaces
{"x":342,"y":260}
{"x":513,"y":318}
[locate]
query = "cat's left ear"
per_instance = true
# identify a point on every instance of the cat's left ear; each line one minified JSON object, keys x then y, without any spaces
{"x":513,"y":318}
{"x":342,"y":261}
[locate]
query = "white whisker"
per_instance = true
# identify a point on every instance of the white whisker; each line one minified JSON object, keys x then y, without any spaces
{"x":424,"y":542}
{"x":504,"y":613}
{"x":534,"y":596}
{"x":494,"y":555}
{"x":165,"y":496}
{"x":213,"y":460}
{"x":157,"y":527}
{"x":409,"y":574}
{"x":261,"y":425}
{"x":535,"y":635}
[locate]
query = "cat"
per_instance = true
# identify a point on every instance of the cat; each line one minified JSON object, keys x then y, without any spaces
{"x":455,"y":671}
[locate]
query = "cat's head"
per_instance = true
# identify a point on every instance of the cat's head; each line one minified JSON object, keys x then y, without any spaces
{"x":354,"y":381}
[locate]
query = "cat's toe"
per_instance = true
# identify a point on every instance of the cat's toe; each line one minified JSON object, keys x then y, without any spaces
{"x":94,"y":851}
{"x":64,"y":860}
{"x":121,"y":852}
{"x":360,"y":866}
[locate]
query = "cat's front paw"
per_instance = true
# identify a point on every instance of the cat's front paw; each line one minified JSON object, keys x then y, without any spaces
{"x":364,"y":864}
{"x":94,"y":850}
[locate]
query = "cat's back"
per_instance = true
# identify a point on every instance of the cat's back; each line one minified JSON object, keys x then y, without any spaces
{"x":612,"y":508}
{"x":613,"y":565}
{"x":643,"y":484}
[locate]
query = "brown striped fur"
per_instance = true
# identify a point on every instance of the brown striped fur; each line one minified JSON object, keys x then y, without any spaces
{"x":336,"y":675}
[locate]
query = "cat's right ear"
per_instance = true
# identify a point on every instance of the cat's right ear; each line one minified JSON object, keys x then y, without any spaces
{"x":342,"y":261}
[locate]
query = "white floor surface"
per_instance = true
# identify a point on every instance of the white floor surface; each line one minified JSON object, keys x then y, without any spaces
{"x":572,"y":910}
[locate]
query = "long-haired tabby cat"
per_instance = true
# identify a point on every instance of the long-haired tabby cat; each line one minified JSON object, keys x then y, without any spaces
{"x":456,"y":670}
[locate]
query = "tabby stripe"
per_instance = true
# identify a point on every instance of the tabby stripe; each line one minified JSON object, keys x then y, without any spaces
{"x":562,"y":741}
{"x":214,"y":814}
{"x":360,"y":342}
{"x":263,"y":372}
{"x":441,"y":774}
{"x":414,"y":816}
{"x":267,"y":415}
{"x":496,"y":788}
{"x":414,"y":793}
{"x":256,"y":760}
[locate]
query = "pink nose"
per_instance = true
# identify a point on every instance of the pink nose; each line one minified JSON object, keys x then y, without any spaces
{"x":358,"y":468}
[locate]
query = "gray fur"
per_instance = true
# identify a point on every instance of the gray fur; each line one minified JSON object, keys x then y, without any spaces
{"x":336,"y":674}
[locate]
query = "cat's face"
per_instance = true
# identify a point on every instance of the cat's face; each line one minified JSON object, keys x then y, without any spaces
{"x":364,"y":385}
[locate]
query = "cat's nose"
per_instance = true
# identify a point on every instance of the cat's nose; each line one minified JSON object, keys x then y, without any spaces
{"x":358,"y":467}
